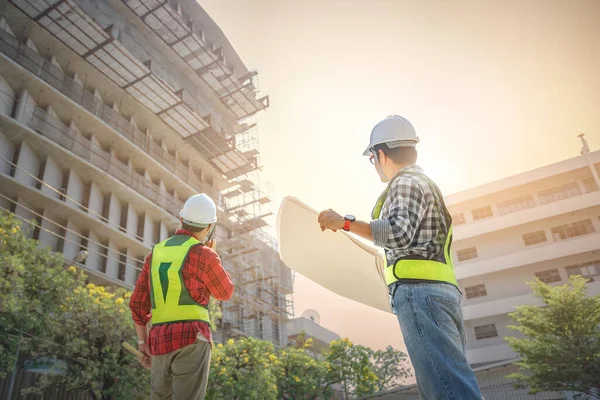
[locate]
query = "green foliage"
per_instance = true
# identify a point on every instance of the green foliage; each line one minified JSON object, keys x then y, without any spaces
{"x":48,"y":311}
{"x":242,"y":369}
{"x":390,"y":367}
{"x":561,"y":345}
{"x":47,"y":308}
{"x":300,"y":376}
{"x":352,"y":363}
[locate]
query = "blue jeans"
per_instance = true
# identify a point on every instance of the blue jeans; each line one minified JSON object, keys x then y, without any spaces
{"x":431,"y":320}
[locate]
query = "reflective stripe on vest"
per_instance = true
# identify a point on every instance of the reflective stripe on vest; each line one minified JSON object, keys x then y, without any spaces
{"x":171,"y":301}
{"x":419,"y":269}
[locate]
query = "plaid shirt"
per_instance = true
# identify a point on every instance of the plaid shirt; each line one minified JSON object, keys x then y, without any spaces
{"x":203,"y":276}
{"x":413,"y":223}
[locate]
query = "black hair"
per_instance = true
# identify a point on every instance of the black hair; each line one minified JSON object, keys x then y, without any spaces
{"x":192,"y":228}
{"x":400,"y":155}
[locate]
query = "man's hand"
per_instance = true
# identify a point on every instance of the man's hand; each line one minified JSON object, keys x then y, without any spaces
{"x":145,"y":361}
{"x":211,"y":244}
{"x":329,"y":219}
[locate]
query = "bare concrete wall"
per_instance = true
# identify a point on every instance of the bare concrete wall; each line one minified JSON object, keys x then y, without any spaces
{"x":29,"y":165}
{"x":7,"y":97}
{"x":53,"y":177}
{"x":137,"y":42}
{"x":7,"y":149}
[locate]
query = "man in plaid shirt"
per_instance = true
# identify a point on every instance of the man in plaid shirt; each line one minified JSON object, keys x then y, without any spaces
{"x":411,"y":222}
{"x":173,"y":290}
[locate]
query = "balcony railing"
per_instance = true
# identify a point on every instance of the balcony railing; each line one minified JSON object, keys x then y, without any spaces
{"x":51,"y":74}
{"x":55,"y":130}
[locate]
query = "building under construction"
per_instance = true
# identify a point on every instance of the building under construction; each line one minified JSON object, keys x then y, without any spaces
{"x":112,"y":113}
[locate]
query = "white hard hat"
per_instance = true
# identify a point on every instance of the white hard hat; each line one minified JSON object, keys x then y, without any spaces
{"x":395,"y":131}
{"x":199,"y":210}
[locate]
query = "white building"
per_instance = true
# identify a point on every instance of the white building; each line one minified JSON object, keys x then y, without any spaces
{"x":311,"y":328}
{"x":112,"y":113}
{"x":543,"y":223}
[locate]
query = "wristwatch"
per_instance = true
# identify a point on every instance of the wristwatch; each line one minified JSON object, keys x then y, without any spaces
{"x":141,"y":341}
{"x":348,"y":220}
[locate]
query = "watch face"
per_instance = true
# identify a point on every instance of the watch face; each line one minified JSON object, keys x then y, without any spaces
{"x":350,"y":218}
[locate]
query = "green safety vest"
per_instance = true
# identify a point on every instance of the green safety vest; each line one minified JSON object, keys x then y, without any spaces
{"x":171,"y":300}
{"x":420,"y":269}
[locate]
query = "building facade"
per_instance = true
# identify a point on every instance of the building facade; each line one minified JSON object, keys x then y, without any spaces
{"x":543,"y":223}
{"x":112,"y":113}
{"x":311,"y":329}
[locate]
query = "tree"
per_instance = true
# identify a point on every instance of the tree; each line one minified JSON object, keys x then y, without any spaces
{"x":33,"y":283}
{"x":300,"y":376}
{"x":352,"y":363}
{"x":561,"y":347}
{"x":47,"y":313}
{"x":242,"y":369}
{"x":390,"y":367}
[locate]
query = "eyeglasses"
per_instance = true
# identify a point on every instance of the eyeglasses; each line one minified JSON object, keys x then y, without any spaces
{"x":372,"y":159}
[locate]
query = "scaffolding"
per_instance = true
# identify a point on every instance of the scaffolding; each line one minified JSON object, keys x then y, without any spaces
{"x":262,"y":303}
{"x":237,"y":93}
{"x":101,"y":47}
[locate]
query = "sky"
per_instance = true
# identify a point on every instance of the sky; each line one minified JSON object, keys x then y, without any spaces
{"x":493,"y":88}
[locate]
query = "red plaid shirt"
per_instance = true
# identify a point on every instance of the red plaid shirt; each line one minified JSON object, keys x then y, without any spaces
{"x":203,"y":276}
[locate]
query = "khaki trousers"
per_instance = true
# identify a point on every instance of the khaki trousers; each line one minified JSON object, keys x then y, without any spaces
{"x":181,"y":374}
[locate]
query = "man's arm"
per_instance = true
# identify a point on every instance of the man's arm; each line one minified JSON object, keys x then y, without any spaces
{"x":331,"y":220}
{"x":407,"y":208}
{"x":217,"y":280}
{"x":140,"y":306}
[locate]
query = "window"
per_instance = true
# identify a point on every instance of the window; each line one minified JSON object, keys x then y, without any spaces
{"x":574,"y":229}
{"x":458,"y":219}
{"x":466,"y":254}
{"x":548,"y":276}
{"x":483,"y":212}
{"x":475,"y":291}
{"x":560,"y":193}
{"x":590,"y":184}
{"x":533,"y":238}
{"x":486,"y":331}
{"x":514,"y":205}
{"x":588,"y":270}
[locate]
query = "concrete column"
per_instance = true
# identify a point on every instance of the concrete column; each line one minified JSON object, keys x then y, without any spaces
{"x":22,"y":210}
{"x":148,"y":231}
{"x":4,"y":204}
{"x":596,"y":223}
{"x":131,"y":272}
{"x":5,"y":27}
{"x":24,"y":108}
{"x":29,"y":166}
{"x":114,"y":211}
{"x":549,"y":235}
{"x":54,"y":62}
{"x":49,"y":231}
{"x":71,"y":247}
{"x":164,"y":231}
{"x":536,"y":199}
{"x":132,"y":221}
{"x":95,"y":259}
{"x":53,"y":178}
{"x":7,"y":97}
{"x":112,"y":262}
{"x":74,"y":190}
{"x":582,"y":187}
{"x":95,"y":201}
{"x":7,"y":151}
{"x":495,"y":211}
